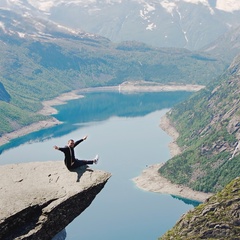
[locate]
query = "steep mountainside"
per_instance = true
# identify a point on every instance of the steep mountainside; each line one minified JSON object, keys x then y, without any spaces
{"x":217,"y":218}
{"x":40,"y":60}
{"x":163,"y":23}
{"x":209,"y":128}
{"x":225,"y":47}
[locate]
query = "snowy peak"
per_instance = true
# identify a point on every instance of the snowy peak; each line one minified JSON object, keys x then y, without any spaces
{"x":223,"y":5}
{"x":47,"y":5}
{"x":28,"y":27}
{"x":190,"y":24}
{"x":173,"y":5}
{"x":212,"y":5}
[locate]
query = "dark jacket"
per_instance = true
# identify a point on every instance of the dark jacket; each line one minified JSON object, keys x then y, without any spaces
{"x":69,"y":154}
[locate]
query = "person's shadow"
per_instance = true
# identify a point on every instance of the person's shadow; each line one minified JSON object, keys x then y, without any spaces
{"x":80,"y":171}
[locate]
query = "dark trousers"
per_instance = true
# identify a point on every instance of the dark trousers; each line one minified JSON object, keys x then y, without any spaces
{"x":79,"y":163}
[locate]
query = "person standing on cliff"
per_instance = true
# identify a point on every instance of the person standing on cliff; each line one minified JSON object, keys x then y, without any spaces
{"x":70,"y":161}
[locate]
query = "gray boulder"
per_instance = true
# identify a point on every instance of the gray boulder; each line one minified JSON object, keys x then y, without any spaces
{"x":40,"y":199}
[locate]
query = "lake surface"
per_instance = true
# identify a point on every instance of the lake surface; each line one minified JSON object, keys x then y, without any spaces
{"x":124,"y":130}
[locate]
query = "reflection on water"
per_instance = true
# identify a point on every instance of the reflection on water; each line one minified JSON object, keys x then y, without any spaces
{"x":99,"y":106}
{"x":187,"y":201}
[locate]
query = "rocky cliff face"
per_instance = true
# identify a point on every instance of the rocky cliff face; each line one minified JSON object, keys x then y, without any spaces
{"x":217,"y":218}
{"x":39,"y":199}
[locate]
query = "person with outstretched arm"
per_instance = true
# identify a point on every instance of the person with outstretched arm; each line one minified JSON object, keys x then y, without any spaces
{"x":70,"y":161}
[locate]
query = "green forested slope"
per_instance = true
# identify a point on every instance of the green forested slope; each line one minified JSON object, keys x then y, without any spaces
{"x":37,"y":69}
{"x":209,"y":127}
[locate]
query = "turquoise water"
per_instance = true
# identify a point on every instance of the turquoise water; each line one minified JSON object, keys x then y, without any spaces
{"x":124,"y":130}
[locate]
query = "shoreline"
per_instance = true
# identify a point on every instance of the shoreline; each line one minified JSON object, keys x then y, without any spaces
{"x":126,"y":87}
{"x":47,"y":110}
{"x":143,"y":86}
{"x":151,"y":180}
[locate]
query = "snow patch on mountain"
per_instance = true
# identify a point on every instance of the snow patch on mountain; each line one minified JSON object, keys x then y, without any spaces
{"x":151,"y":26}
{"x":204,"y":2}
{"x":145,"y":14}
{"x":46,"y":5}
{"x":146,"y":9}
{"x":169,"y":6}
{"x":17,"y":2}
{"x":228,"y":5}
{"x":2,"y":26}
{"x":43,"y":5}
{"x":21,"y":34}
{"x":165,"y":23}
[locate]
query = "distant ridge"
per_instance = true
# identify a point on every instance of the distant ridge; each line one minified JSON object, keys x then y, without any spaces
{"x":41,"y":59}
{"x":189,"y":24}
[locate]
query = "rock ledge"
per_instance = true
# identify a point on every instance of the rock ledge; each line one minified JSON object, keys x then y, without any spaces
{"x":40,"y":199}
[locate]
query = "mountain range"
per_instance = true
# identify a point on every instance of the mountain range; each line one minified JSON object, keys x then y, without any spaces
{"x":190,"y":24}
{"x":41,"y":59}
{"x":99,"y":43}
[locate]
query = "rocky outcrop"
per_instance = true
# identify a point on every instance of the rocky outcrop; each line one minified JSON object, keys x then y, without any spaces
{"x":217,"y":218}
{"x":39,"y":199}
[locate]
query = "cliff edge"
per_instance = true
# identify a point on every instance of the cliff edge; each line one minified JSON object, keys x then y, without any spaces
{"x":217,"y":218}
{"x":39,"y":199}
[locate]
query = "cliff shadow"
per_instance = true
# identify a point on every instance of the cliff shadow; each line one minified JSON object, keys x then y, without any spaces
{"x":80,"y":171}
